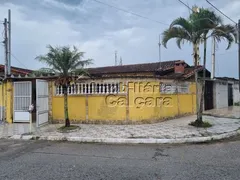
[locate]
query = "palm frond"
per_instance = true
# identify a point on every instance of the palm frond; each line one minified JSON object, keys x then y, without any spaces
{"x":44,"y":71}
{"x":80,"y":72}
{"x":82,"y":63}
{"x":175,"y":32}
{"x":225,"y":32}
{"x":63,"y":60}
{"x":183,"y":23}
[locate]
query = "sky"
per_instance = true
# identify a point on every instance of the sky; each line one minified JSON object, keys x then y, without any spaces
{"x":100,"y":30}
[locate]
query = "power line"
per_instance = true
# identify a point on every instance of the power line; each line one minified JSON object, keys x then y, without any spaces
{"x":221,"y":12}
{"x":18,"y":61}
{"x":129,"y":12}
{"x":185,"y":5}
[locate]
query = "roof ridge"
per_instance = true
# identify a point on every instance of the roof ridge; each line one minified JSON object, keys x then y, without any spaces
{"x":135,"y":64}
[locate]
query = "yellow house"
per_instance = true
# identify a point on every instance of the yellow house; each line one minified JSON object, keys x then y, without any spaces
{"x":125,"y":94}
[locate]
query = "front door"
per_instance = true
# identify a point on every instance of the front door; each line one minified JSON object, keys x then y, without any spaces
{"x":230,"y":95}
{"x":41,"y":102}
{"x":208,"y":95}
{"x":22,"y":99}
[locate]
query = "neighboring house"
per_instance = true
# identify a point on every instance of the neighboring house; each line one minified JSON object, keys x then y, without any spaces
{"x":225,"y":92}
{"x":116,"y":94}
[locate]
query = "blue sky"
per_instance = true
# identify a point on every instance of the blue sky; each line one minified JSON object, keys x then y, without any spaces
{"x":99,"y":30}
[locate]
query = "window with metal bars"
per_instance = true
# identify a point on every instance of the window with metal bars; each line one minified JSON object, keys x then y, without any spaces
{"x":168,"y":88}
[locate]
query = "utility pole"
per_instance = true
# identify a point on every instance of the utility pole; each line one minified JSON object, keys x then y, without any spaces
{"x":159,"y":44}
{"x":120,"y":62}
{"x":213,"y":57}
{"x":9,"y":42}
{"x":116,"y":58}
{"x":6,"y":46}
{"x":238,"y":33}
{"x":239,"y":52}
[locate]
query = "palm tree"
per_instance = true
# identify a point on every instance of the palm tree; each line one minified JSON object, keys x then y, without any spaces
{"x":213,"y":27}
{"x":195,"y":30}
{"x":65,"y":63}
{"x":184,"y":30}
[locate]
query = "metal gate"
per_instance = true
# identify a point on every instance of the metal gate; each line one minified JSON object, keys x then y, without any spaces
{"x":230,"y":95}
{"x":41,"y":102}
{"x":208,"y":95}
{"x":22,"y":99}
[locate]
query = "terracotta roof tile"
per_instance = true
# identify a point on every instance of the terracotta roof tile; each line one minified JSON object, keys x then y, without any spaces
{"x":133,"y":68}
{"x":16,"y":70}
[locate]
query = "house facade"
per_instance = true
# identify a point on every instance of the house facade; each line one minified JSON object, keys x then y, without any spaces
{"x":124,"y":94}
{"x":226,"y":92}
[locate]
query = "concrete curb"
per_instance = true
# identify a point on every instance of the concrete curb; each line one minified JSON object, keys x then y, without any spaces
{"x":128,"y":140}
{"x":220,"y":116}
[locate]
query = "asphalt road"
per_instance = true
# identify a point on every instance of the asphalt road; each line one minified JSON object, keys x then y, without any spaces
{"x":40,"y":160}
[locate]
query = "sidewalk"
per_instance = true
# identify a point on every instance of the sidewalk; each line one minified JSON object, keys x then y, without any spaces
{"x":171,"y":131}
{"x":229,"y":112}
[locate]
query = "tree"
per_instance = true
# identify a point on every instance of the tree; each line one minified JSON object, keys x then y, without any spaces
{"x":213,"y":27}
{"x":65,"y":63}
{"x":195,"y":30}
{"x":183,"y":31}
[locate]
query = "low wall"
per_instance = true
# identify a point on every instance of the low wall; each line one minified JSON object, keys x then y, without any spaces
{"x":135,"y":102}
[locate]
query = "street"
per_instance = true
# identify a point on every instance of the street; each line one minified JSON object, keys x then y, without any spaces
{"x":27,"y":160}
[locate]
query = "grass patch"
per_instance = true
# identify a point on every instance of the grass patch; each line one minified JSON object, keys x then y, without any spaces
{"x":29,"y":133}
{"x":67,"y":129}
{"x":205,"y":124}
{"x":237,"y":104}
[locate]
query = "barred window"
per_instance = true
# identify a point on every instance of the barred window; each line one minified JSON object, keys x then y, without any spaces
{"x":183,"y":88}
{"x":167,"y":88}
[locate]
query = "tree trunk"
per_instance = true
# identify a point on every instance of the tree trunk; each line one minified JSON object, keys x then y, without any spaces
{"x":195,"y":54}
{"x":203,"y":78}
{"x":67,"y":121}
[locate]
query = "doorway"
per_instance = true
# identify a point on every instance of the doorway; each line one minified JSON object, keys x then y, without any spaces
{"x":230,"y":95}
{"x":29,"y":92}
{"x":208,"y":95}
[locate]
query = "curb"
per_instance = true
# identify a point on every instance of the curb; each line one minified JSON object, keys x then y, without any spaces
{"x":128,"y":140}
{"x":220,"y":116}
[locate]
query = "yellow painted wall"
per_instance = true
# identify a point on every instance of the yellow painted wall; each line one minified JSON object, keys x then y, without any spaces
{"x":76,"y":107}
{"x":1,"y":96}
{"x":9,"y":116}
{"x":100,"y":110}
{"x":141,"y":101}
{"x":147,"y":103}
{"x":6,"y":100}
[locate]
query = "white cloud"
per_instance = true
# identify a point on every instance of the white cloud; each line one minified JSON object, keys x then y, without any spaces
{"x":100,"y":30}
{"x":63,"y":6}
{"x":29,"y":38}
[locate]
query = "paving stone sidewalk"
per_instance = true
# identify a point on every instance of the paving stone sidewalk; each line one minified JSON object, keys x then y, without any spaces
{"x":171,"y":129}
{"x":232,"y":112}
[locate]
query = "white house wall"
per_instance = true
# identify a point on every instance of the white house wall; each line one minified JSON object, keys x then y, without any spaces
{"x":221,"y":95}
{"x":236,"y":94}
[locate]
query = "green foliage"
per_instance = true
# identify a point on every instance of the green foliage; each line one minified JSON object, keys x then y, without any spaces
{"x":64,"y":61}
{"x":237,"y":104}
{"x":68,"y":129}
{"x":203,"y":124}
{"x":199,"y":26}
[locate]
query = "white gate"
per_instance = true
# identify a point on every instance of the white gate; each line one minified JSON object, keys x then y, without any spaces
{"x":41,"y":102}
{"x":22,"y":99}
